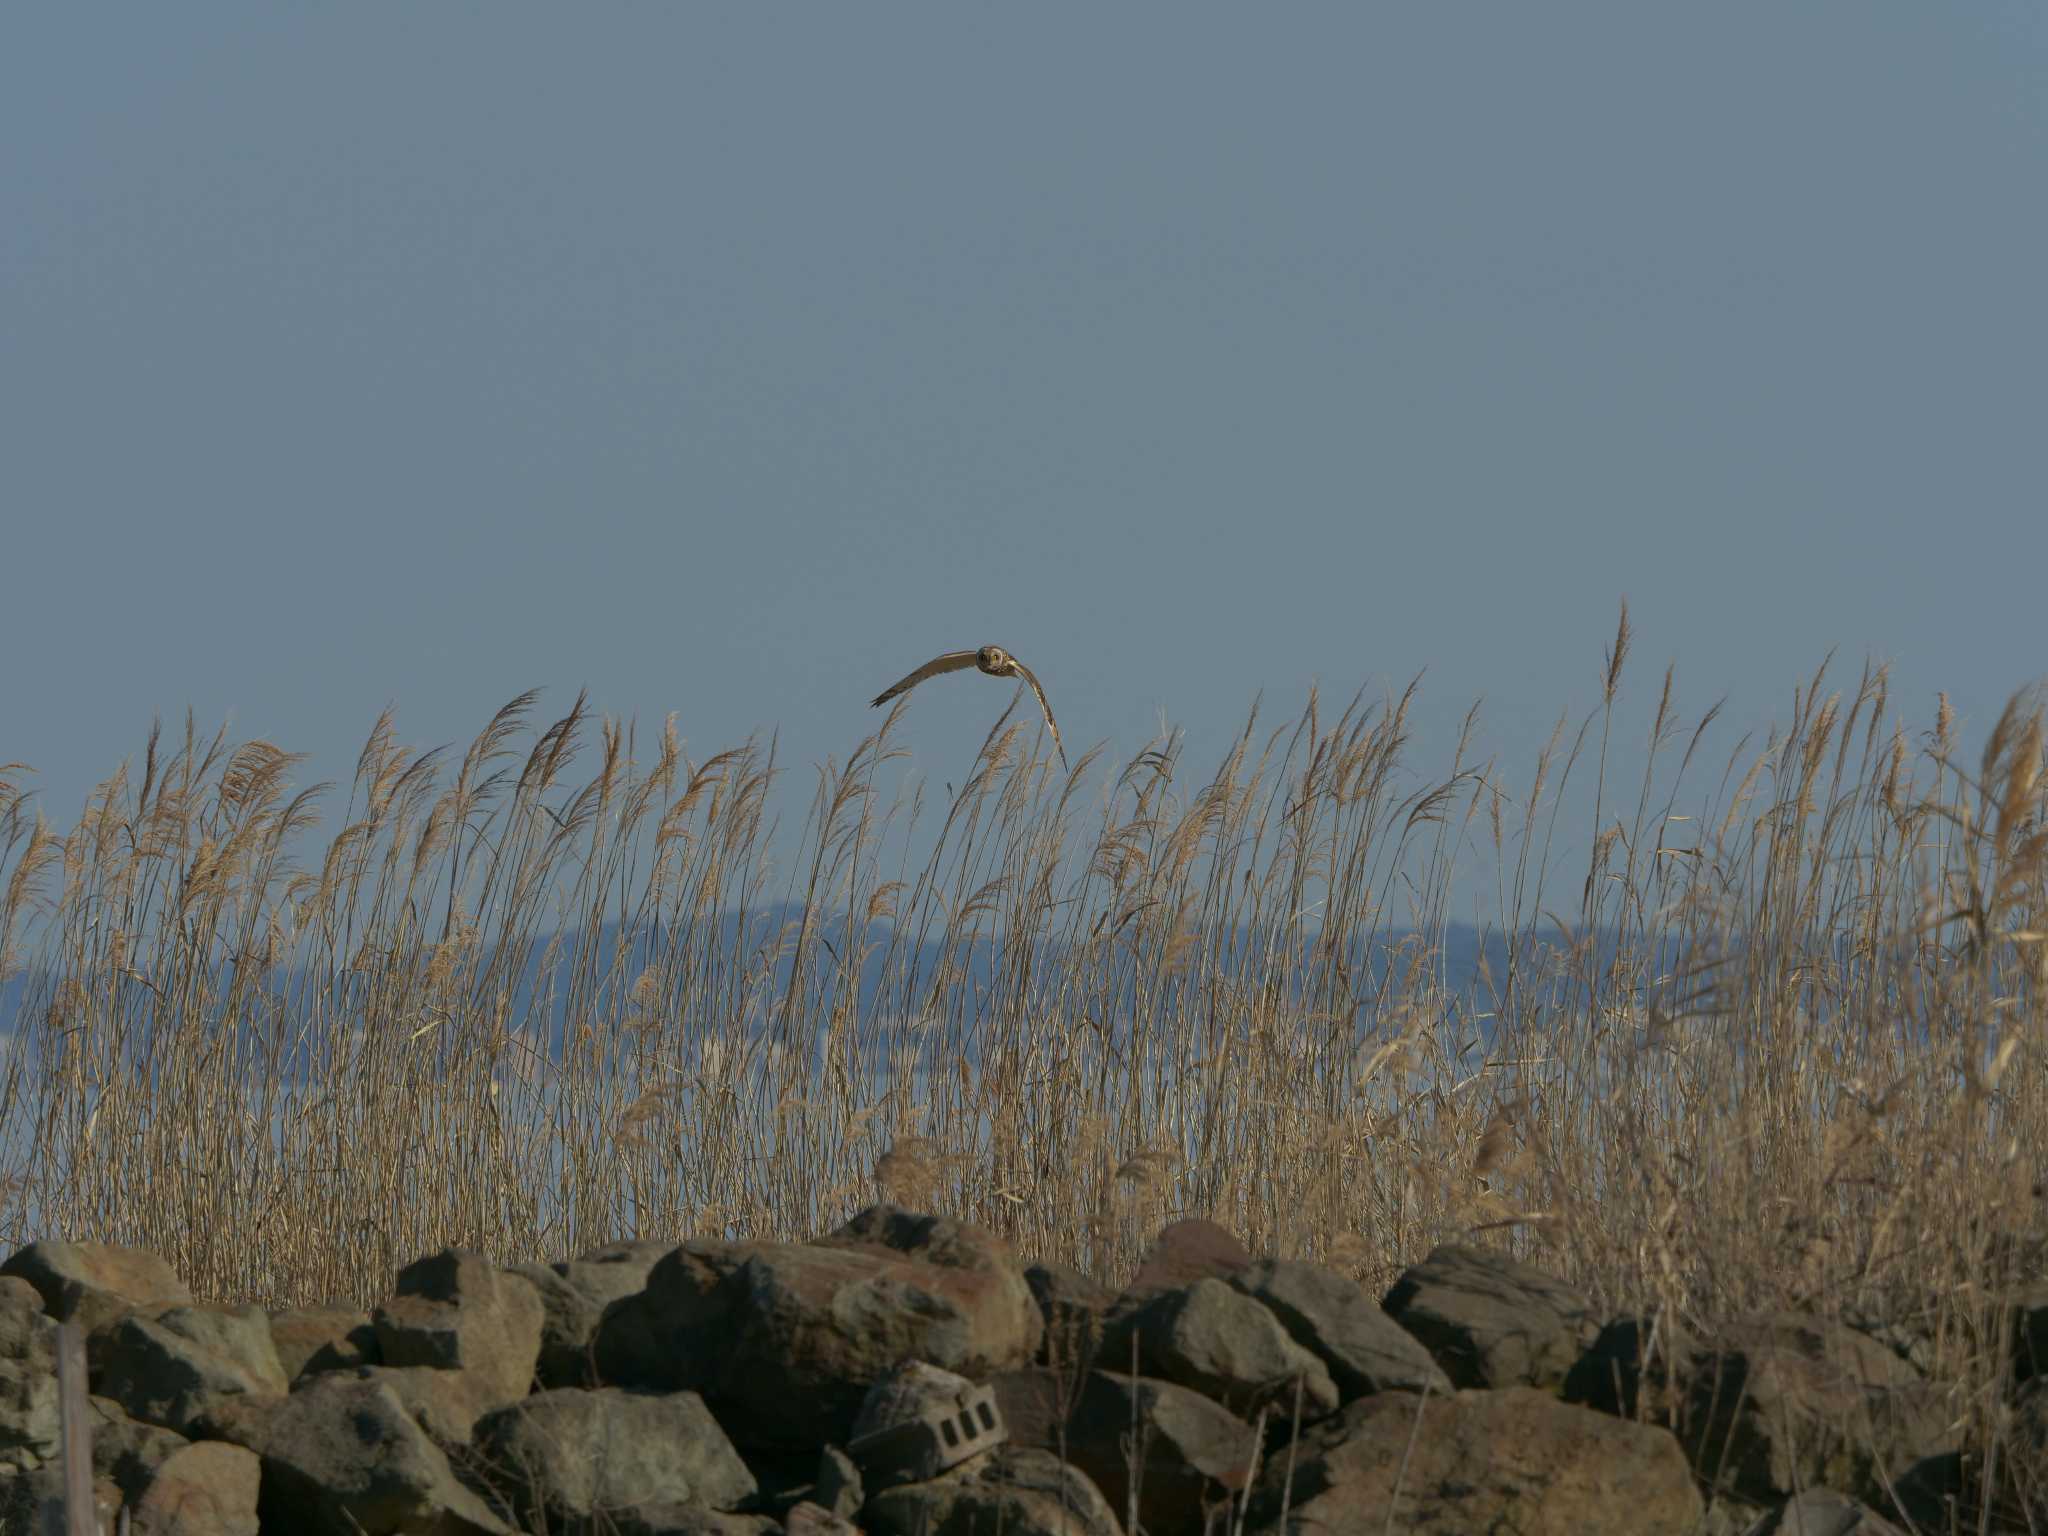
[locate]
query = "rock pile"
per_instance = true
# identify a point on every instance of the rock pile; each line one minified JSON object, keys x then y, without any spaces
{"x":906,"y":1375}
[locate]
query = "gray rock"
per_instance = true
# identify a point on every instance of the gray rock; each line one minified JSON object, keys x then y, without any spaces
{"x":1477,"y":1463}
{"x":446,"y":1404}
{"x":455,"y":1310}
{"x":1014,"y":1490}
{"x":574,"y":1297}
{"x":1333,"y":1318}
{"x":573,"y":1455}
{"x":344,"y":1458}
{"x":1773,"y":1404}
{"x":910,"y":1390}
{"x":1191,"y":1454}
{"x":1221,"y":1343}
{"x":170,"y":1369}
{"x":1491,"y":1321}
{"x":27,"y":1333}
{"x":838,"y":1488}
{"x":127,"y":1452}
{"x":28,"y":1415}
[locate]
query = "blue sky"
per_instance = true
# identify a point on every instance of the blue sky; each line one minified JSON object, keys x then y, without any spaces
{"x":733,"y":360}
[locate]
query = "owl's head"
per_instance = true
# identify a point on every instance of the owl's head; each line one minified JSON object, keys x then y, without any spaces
{"x":992,"y":658}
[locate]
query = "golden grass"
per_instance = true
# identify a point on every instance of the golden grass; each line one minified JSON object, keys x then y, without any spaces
{"x":1788,"y":1049}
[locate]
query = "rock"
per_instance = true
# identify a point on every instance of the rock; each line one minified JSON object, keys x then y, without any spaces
{"x":683,"y":1520}
{"x":34,"y":1502}
{"x":1779,"y":1402}
{"x":1822,"y":1512}
{"x":571,"y":1454}
{"x":1221,"y":1343}
{"x":171,"y":1368}
{"x":201,"y":1490}
{"x":1035,"y":1403}
{"x":455,"y":1310}
{"x":126,"y":1452}
{"x":1491,"y":1321}
{"x":93,"y":1283}
{"x":838,"y":1490}
{"x":344,"y":1458}
{"x":1072,"y":1307}
{"x":28,"y":1415}
{"x":1191,"y":1454}
{"x":574,"y":1297}
{"x":2026,"y":1455}
{"x":1180,"y":1255}
{"x":28,"y":1334}
{"x":1014,"y":1490}
{"x":783,"y":1340}
{"x":1477,"y":1462}
{"x":310,"y":1340}
{"x":2030,"y":1333}
{"x":446,"y":1404}
{"x":909,"y":1391}
{"x":932,"y":1239}
{"x":808,"y":1519}
{"x":1333,"y":1318}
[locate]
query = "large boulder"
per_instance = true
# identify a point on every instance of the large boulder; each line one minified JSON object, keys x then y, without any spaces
{"x":1072,"y":1307}
{"x":1492,"y":1321}
{"x":1479,"y":1463}
{"x":571,"y":1457}
{"x":446,"y":1404}
{"x":172,"y":1368}
{"x":1191,"y":1455}
{"x":93,"y":1283}
{"x":1333,"y":1318}
{"x":210,"y":1489}
{"x":1182,"y":1253}
{"x":1223,"y":1344}
{"x":1774,"y":1403}
{"x":783,"y":1339}
{"x":344,"y":1458}
{"x":574,"y":1296}
{"x":126,"y":1452}
{"x":456,"y":1311}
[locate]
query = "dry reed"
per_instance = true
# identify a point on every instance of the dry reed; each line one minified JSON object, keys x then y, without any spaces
{"x":1788,"y":1049}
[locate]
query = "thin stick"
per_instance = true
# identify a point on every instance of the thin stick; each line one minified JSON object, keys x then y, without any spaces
{"x":76,"y":1428}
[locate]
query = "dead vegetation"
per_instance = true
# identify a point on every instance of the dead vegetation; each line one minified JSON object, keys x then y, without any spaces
{"x":1788,"y":1048}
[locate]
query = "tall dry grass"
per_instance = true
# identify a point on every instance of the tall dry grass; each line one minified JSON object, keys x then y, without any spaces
{"x":1786,"y":1046}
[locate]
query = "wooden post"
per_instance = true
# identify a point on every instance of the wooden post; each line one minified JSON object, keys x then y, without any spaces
{"x":75,"y":1419}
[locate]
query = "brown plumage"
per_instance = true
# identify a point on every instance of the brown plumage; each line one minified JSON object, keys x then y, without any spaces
{"x":993,"y":660}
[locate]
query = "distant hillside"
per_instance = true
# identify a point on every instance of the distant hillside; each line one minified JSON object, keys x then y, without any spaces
{"x":1469,"y":963}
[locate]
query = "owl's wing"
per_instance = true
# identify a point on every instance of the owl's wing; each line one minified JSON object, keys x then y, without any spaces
{"x":1043,"y":708}
{"x":952,"y":661}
